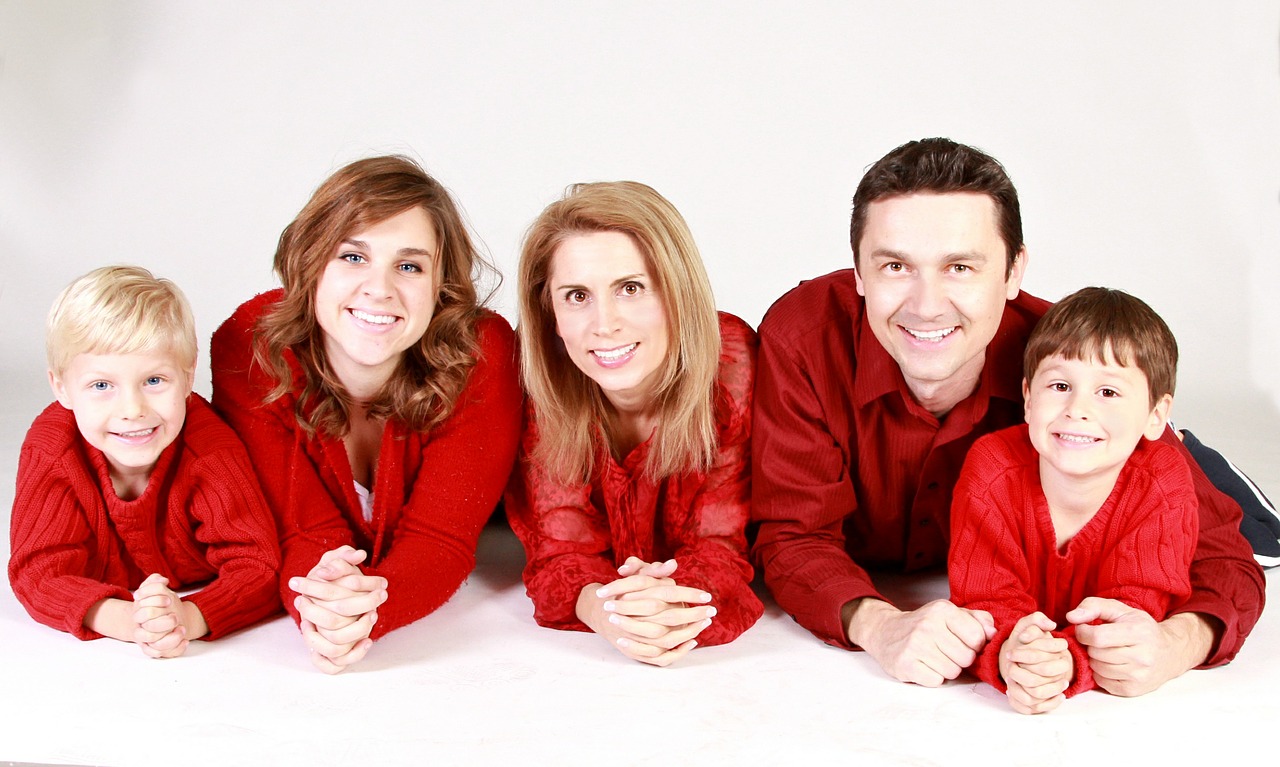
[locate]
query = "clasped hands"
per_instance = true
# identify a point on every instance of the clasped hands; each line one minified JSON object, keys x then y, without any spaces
{"x":338,"y":606}
{"x":163,"y":624}
{"x":645,"y":614}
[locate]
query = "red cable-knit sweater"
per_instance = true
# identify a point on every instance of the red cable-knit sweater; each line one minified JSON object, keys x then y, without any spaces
{"x":1004,"y":558}
{"x":433,"y":490}
{"x":201,"y":518}
{"x":575,"y":535}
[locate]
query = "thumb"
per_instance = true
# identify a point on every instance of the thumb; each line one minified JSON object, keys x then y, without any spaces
{"x":988,"y":622}
{"x":1093,"y":609}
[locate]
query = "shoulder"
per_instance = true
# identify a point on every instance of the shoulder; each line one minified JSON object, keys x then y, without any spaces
{"x":204,"y":433}
{"x":812,"y":307}
{"x":735,"y":378}
{"x":1165,"y":466}
{"x":232,"y":344}
{"x":53,"y":432}
{"x":737,"y":341}
{"x":494,"y":335}
{"x":999,"y":454}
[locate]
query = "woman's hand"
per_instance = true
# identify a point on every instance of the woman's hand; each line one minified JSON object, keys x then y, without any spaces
{"x":645,"y":613}
{"x":338,"y":607}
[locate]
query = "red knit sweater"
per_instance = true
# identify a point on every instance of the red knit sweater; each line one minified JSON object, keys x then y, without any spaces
{"x":575,"y":535}
{"x":433,"y":490}
{"x":201,"y":518}
{"x":1004,"y":557}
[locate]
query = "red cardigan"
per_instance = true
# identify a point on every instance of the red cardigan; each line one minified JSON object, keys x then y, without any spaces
{"x":575,"y":535}
{"x":200,"y":519}
{"x":1004,"y":557}
{"x":433,"y":490}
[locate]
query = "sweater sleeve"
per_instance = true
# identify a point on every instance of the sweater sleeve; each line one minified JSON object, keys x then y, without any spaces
{"x":288,"y":476}
{"x":802,"y":493}
{"x":465,"y":464}
{"x":565,"y":537}
{"x":232,"y":522}
{"x":713,"y":556}
{"x":1227,"y":585}
{"x":52,"y":541}
{"x":986,"y":566}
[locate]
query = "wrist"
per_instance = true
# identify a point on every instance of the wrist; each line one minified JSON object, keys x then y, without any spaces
{"x":590,"y":608}
{"x":863,"y":617}
{"x":192,"y":620}
{"x":1191,"y":637}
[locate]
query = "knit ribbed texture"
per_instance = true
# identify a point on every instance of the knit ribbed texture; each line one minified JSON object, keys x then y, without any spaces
{"x":201,"y":519}
{"x":1004,"y":559}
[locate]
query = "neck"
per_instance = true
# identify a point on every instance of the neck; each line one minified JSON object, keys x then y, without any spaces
{"x":939,"y":397}
{"x":631,"y":426}
{"x":1076,"y":495}
{"x":129,"y":483}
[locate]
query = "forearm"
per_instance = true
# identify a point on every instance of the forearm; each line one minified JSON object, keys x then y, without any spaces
{"x":1191,"y":637}
{"x":813,"y":580}
{"x":193,"y":620}
{"x":112,"y":618}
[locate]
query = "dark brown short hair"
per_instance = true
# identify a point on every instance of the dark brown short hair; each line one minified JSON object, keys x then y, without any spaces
{"x":433,"y":372}
{"x":1097,"y":323}
{"x":940,"y":166}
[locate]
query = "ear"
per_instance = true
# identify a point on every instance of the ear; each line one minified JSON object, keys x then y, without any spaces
{"x":1159,"y":417}
{"x":857,"y":281}
{"x":191,"y":378}
{"x":1014,"y":283}
{"x":1026,"y":400}
{"x":59,"y":390}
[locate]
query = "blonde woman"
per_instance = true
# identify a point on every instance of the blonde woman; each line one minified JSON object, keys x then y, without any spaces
{"x":379,"y":402}
{"x":632,"y":492}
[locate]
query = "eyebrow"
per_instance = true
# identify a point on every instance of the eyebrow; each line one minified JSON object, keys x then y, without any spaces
{"x":615,"y":283}
{"x":886,"y":254}
{"x":401,"y":252}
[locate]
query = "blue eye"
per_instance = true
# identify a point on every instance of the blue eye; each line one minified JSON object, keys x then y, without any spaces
{"x":154,"y":381}
{"x":99,"y":386}
{"x":410,"y":268}
{"x":351,"y":258}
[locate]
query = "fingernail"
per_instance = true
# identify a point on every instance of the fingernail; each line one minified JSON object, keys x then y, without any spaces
{"x":294,"y":582}
{"x":706,"y":623}
{"x":614,"y":619}
{"x":704,"y":597}
{"x":670,"y":562}
{"x":609,"y":607}
{"x":711,"y":612}
{"x":695,"y":644}
{"x":602,"y":592}
{"x":624,"y":642}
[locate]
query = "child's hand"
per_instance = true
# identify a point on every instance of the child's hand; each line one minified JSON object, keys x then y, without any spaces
{"x":1036,"y":666}
{"x":157,"y":616}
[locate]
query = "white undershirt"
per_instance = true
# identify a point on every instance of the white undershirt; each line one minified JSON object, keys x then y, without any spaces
{"x":366,"y":501}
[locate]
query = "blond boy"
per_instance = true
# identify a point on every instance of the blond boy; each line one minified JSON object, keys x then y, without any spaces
{"x":129,"y":487}
{"x":1077,"y":502}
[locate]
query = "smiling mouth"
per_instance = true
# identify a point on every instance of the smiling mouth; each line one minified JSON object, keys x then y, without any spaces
{"x":1076,"y":439}
{"x":613,"y":355}
{"x":373,"y":319}
{"x":135,"y":434}
{"x":930,"y":335}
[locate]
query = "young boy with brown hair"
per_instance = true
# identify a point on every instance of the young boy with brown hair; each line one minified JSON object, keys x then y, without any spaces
{"x":130,"y":487}
{"x":1079,"y":501}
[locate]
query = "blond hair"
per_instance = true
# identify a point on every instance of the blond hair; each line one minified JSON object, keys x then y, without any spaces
{"x":120,"y":310}
{"x":570,"y":408}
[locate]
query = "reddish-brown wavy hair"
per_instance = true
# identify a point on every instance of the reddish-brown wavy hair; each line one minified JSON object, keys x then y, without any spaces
{"x":432,"y":373}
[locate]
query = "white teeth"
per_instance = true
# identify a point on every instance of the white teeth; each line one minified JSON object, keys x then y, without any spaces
{"x":1077,"y":438}
{"x":138,"y":433}
{"x":931,"y":335}
{"x":614,"y":354}
{"x":376,"y":319}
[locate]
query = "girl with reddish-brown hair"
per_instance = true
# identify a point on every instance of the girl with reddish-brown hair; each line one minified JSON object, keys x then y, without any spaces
{"x":378,"y":400}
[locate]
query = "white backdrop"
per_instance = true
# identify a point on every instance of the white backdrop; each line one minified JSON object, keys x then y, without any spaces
{"x":183,"y":136}
{"x":1144,"y":139}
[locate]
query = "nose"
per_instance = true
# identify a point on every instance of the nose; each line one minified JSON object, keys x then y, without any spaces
{"x":607,"y":317}
{"x":1079,"y":405}
{"x":928,"y":297}
{"x":131,"y":405}
{"x":377,"y":282}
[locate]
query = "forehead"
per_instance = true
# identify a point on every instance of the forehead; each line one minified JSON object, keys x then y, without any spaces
{"x":927,"y":225}
{"x":95,"y":363}
{"x":595,"y":256}
{"x":1098,"y":363}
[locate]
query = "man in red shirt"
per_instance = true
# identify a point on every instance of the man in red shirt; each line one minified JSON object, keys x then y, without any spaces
{"x":872,"y":383}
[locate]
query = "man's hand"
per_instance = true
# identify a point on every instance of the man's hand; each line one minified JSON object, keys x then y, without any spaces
{"x":926,"y":646}
{"x":1130,"y":653}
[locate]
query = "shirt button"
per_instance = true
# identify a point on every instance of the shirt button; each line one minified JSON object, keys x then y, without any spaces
{"x":932,"y":485}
